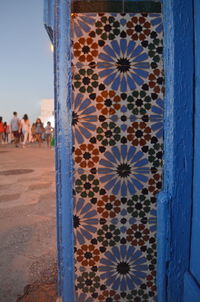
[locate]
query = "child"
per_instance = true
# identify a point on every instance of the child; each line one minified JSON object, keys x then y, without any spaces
{"x":6,"y":132}
{"x":25,"y":128}
{"x":48,"y":133}
{"x":38,"y":131}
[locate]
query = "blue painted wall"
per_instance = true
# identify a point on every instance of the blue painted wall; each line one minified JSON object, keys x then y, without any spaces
{"x":64,"y":169}
{"x":175,"y":201}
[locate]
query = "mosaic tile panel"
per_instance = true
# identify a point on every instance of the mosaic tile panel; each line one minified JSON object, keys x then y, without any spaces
{"x":117,"y":150}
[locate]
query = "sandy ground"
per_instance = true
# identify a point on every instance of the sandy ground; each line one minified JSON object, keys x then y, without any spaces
{"x":27,"y":219}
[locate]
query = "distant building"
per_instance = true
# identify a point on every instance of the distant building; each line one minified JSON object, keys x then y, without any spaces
{"x":47,"y":111}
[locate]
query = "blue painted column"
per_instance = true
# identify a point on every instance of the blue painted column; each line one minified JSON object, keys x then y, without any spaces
{"x":174,"y":203}
{"x":64,"y":169}
{"x":63,"y":149}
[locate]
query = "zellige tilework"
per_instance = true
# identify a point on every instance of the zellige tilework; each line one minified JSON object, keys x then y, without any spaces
{"x":117,"y":151}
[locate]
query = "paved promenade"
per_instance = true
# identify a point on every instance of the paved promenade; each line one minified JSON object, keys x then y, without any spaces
{"x":27,"y":220}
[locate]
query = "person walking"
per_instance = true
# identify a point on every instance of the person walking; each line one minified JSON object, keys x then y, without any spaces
{"x":33,"y":138}
{"x":6,"y":132}
{"x":25,"y":128}
{"x":1,"y":129}
{"x":48,"y":133}
{"x":15,"y":127}
{"x":39,"y":129}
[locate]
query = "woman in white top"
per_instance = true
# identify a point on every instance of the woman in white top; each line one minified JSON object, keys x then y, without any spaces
{"x":25,"y":127}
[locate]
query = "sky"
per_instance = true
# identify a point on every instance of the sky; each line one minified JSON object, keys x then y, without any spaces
{"x":26,"y":61}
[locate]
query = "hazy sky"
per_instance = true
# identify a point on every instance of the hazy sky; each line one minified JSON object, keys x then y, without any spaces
{"x":26,"y":62}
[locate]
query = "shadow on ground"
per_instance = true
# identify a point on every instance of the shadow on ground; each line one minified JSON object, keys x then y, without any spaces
{"x":44,"y":290}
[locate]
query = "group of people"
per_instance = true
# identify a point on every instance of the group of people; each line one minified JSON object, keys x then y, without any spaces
{"x":21,"y":131}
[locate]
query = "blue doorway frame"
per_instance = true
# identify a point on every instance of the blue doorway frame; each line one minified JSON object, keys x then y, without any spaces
{"x":174,"y":202}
